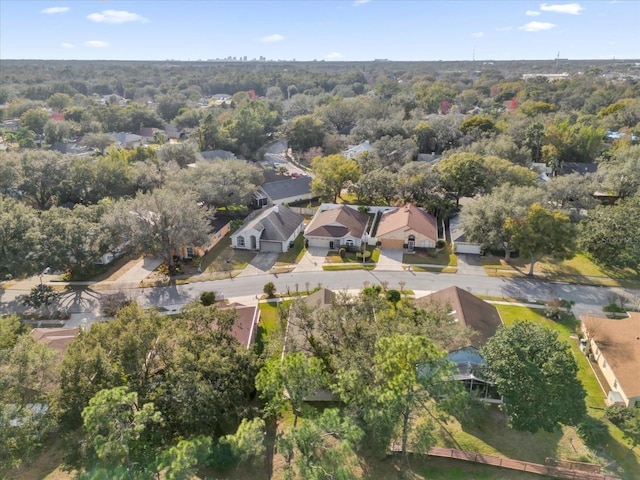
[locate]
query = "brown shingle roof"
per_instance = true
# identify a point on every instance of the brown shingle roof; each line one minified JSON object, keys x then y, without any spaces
{"x":246,"y":325}
{"x":619,"y":342}
{"x":337,"y":223}
{"x":468,"y":310}
{"x":57,"y":338}
{"x":408,"y":217}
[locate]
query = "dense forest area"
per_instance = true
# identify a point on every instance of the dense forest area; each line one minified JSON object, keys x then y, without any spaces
{"x":552,"y":165}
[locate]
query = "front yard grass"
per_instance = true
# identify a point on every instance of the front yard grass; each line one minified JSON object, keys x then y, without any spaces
{"x":431,"y":256}
{"x":579,"y":269}
{"x":333,"y":256}
{"x":294,"y":254}
{"x":222,"y":257}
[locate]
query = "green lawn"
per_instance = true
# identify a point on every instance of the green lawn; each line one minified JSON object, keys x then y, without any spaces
{"x":431,"y":256}
{"x":579,"y":269}
{"x":222,"y":257}
{"x":333,"y":256}
{"x":294,"y":254}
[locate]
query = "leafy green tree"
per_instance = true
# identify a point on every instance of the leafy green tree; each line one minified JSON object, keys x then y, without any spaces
{"x":42,"y":175}
{"x":332,"y":174}
{"x":536,"y":372}
{"x":378,"y":187}
{"x":59,"y":101}
{"x":411,"y":376}
{"x":19,"y":238}
{"x":396,"y":151}
{"x":501,"y":171}
{"x":169,"y":105}
{"x":27,"y":370}
{"x":181,"y":153}
{"x":99,"y":141}
{"x":182,"y":460}
{"x":571,"y":194}
{"x":609,"y":234}
{"x":73,"y":239}
{"x":160,"y":223}
{"x":35,"y":120}
{"x":57,"y":131}
{"x":425,"y":137}
{"x":463,"y":175}
{"x":619,"y":173}
{"x":246,"y":446}
{"x":116,"y":425}
{"x":631,"y":430}
{"x":418,"y":183}
{"x":534,"y":137}
{"x":477,"y":123}
{"x":484,"y":220}
{"x":305,"y":132}
{"x":290,"y":380}
{"x":541,"y":232}
{"x":322,"y":448}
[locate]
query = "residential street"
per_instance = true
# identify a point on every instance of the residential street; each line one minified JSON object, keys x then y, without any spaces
{"x":86,"y":301}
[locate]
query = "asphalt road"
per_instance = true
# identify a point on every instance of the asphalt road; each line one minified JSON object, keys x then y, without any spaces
{"x":588,"y":299}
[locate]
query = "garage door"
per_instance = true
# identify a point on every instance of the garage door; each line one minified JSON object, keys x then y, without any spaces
{"x":464,"y":247}
{"x":391,"y":243}
{"x":266,"y":246}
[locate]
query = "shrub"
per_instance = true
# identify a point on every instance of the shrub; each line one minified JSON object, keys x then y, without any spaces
{"x":208,"y":298}
{"x":617,"y":414}
{"x":269,"y":289}
{"x":342,"y":252}
{"x":591,"y":431}
{"x":393,"y":296}
{"x":440,"y":244}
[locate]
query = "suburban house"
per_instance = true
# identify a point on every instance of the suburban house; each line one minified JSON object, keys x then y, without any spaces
{"x":484,"y":319}
{"x":567,"y":168}
{"x":245,"y":327}
{"x":459,"y":239}
{"x":355,"y":151}
{"x":407,"y":227}
{"x":614,"y":344}
{"x":71,"y":148}
{"x":129,"y":140}
{"x":150,"y":134}
{"x":282,"y":192}
{"x":272,"y":229}
{"x":467,"y":310}
{"x":339,"y":226}
{"x":215,"y":155}
{"x":57,"y":338}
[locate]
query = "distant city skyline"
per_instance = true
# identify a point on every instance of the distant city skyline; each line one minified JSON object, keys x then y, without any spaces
{"x":339,"y":30}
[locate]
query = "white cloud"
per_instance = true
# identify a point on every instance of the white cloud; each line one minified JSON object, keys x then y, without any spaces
{"x":570,"y":8}
{"x":536,"y":26}
{"x":116,"y":16}
{"x":276,"y":37}
{"x":357,"y":3}
{"x":504,"y":29}
{"x":54,"y":10}
{"x":477,"y":34}
{"x":334,"y":56}
{"x":96,"y":44}
{"x":66,"y":45}
{"x":532,"y":13}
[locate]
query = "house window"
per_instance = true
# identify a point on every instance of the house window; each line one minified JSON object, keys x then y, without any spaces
{"x":411,"y":243}
{"x":349,"y":243}
{"x":240,"y":242}
{"x":190,"y":252}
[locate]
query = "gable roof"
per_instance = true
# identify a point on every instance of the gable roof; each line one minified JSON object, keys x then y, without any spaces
{"x":276,"y":223}
{"x":468,"y":310}
{"x":57,"y":338}
{"x":408,"y":217}
{"x":619,"y":342}
{"x":578,"y":167}
{"x":291,"y":187}
{"x":338,"y":222}
{"x":355,"y":150}
{"x":246,"y":324}
{"x":217,"y":154}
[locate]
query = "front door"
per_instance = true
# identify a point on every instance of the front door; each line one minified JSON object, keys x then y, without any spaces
{"x":411,"y":243}
{"x":330,"y":244}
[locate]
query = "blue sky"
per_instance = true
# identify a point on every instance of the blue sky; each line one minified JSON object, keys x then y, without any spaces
{"x":322,"y":30}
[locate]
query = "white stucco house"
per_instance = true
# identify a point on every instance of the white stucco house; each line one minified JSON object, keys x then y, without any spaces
{"x":272,"y":229}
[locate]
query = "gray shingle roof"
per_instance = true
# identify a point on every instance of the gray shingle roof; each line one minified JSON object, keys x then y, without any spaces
{"x":291,"y":187}
{"x":338,"y":222}
{"x":276,"y":223}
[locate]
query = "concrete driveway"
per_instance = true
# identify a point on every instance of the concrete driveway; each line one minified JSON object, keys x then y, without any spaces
{"x":260,"y":264}
{"x":313,"y":260}
{"x":470,"y":264}
{"x":390,"y":259}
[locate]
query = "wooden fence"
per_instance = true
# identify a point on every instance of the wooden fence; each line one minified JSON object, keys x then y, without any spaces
{"x":555,"y":468}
